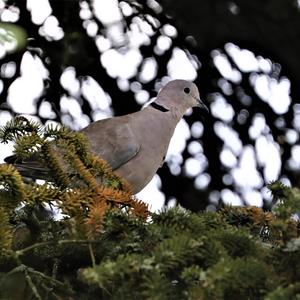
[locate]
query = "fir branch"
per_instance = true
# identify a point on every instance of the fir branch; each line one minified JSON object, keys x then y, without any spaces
{"x":288,"y":204}
{"x":60,"y":177}
{"x":76,"y":201}
{"x":250,"y":216}
{"x":82,"y":171}
{"x":292,"y":291}
{"x":23,"y":251}
{"x":18,"y":127}
{"x":5,"y":232}
{"x":30,"y":274}
{"x":181,"y":219}
{"x":278,"y":190}
{"x":109,"y":198}
{"x":139,"y":208}
{"x":27,"y":145}
{"x":49,"y":279}
{"x":101,"y":169}
{"x":179,"y":251}
{"x":242,"y":278}
{"x":44,"y":193}
{"x":31,"y":284}
{"x":109,"y":273}
{"x":66,"y":138}
{"x":156,"y":285}
{"x":92,"y":255}
{"x":94,"y":221}
{"x":237,"y":242}
{"x":13,"y":184}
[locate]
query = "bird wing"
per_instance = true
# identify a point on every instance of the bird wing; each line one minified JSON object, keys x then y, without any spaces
{"x":113,"y":140}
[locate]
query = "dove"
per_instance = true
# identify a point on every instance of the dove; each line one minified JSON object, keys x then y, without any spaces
{"x":135,"y":145}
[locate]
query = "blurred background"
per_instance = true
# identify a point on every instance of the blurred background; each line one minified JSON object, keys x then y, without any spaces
{"x":75,"y":62}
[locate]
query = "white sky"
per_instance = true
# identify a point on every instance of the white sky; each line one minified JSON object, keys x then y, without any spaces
{"x":122,"y":62}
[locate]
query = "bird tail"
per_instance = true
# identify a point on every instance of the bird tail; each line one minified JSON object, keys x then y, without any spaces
{"x":29,"y":168}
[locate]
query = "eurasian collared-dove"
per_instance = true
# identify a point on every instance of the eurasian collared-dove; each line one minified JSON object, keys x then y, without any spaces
{"x":135,"y":145}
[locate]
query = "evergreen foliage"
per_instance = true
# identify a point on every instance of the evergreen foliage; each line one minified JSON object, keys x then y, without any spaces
{"x":108,"y":245}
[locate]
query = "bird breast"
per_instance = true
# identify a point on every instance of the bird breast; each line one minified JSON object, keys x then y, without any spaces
{"x":154,"y":141}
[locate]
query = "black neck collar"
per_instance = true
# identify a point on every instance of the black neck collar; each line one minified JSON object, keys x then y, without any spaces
{"x":158,"y":107}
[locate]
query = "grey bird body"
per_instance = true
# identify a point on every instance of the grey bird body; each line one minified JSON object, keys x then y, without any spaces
{"x":141,"y":148}
{"x":135,"y":145}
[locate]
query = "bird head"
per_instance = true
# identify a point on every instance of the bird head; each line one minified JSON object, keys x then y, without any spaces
{"x":180,"y":94}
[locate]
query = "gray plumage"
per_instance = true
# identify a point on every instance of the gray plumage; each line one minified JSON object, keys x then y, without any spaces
{"x":135,"y":145}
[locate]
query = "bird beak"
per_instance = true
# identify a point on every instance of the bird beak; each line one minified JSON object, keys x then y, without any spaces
{"x":201,"y":105}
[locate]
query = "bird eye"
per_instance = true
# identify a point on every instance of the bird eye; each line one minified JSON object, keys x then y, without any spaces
{"x":187,"y":90}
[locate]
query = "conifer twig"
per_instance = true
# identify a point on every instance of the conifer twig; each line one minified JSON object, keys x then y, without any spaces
{"x":60,"y":242}
{"x":27,"y":271}
{"x":92,"y":255}
{"x":31,"y":284}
